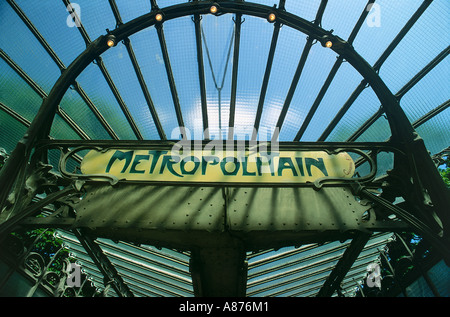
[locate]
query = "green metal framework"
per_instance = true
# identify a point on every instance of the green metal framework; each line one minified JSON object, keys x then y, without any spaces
{"x":414,"y":176}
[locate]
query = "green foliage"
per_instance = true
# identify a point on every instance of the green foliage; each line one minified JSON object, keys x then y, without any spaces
{"x":445,"y":171}
{"x":44,"y":242}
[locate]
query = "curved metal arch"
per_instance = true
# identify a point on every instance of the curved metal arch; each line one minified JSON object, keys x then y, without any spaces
{"x":390,"y":105}
{"x":401,"y":129}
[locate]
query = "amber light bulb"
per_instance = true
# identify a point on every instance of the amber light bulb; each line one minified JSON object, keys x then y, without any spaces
{"x":272,"y":17}
{"x":110,"y":43}
{"x":213,"y":9}
{"x":159,"y":17}
{"x":328,"y":44}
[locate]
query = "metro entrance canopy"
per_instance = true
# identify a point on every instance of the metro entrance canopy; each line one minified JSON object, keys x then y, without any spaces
{"x":136,"y":185}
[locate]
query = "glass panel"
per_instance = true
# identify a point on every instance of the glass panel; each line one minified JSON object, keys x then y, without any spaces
{"x":97,"y":89}
{"x":12,"y":43}
{"x":318,"y":65}
{"x":256,"y":36}
{"x":183,"y":59}
{"x":118,"y":63}
{"x":150,"y":59}
{"x":418,"y":101}
{"x":67,"y":41}
{"x":422,"y":43}
{"x":341,"y":88}
{"x":287,"y":55}
{"x":77,"y":109}
{"x":218,"y":32}
{"x":362,"y":109}
{"x":11,"y":131}
{"x":435,"y":132}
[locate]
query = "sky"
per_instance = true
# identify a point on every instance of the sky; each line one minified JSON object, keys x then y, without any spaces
{"x":384,"y":21}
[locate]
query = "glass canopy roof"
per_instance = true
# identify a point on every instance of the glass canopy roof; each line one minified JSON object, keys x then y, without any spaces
{"x":406,"y":41}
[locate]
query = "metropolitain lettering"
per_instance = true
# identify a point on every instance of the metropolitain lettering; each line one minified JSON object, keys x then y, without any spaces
{"x":161,"y":162}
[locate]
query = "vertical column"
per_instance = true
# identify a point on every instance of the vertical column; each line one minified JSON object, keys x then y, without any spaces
{"x":219,"y":272}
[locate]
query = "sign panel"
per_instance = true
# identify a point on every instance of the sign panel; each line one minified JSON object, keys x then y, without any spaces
{"x":219,"y":166}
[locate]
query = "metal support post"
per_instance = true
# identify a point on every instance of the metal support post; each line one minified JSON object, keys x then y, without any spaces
{"x":343,"y":266}
{"x":219,"y":272}
{"x":111,"y":276}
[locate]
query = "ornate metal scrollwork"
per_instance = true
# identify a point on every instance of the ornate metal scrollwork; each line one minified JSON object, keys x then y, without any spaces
{"x":370,"y":176}
{"x":66,"y":156}
{"x":34,"y":265}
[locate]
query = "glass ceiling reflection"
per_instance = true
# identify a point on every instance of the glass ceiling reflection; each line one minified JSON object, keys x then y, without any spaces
{"x":424,"y":39}
{"x":38,"y":40}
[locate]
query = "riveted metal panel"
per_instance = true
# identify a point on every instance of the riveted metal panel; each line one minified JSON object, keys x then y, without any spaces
{"x":151,"y":207}
{"x":298,"y":209}
{"x":186,"y":217}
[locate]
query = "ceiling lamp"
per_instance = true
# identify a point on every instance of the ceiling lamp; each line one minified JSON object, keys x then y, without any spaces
{"x":159,"y":17}
{"x":214,"y":9}
{"x":110,"y":41}
{"x":271,"y":17}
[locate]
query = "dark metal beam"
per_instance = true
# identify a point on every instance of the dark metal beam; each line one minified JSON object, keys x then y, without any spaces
{"x":72,"y":124}
{"x":201,"y":74}
{"x":31,"y":210}
{"x":62,"y":67}
{"x":298,"y":72}
{"x":409,"y":85}
{"x":219,"y":272}
{"x":41,"y":125}
{"x":343,"y":266}
{"x":171,"y":79}
{"x":167,"y":145}
{"x":111,"y":276}
{"x":108,"y":79}
{"x":111,"y":84}
{"x":319,"y":98}
{"x":78,"y":130}
{"x":331,"y":75}
{"x":423,"y":72}
{"x":366,"y":125}
{"x":234,"y":75}
{"x":265,"y":83}
{"x":376,"y":67}
{"x":144,"y":88}
{"x":95,"y":111}
{"x":431,"y":114}
{"x":25,"y":122}
{"x":19,"y":71}
{"x":81,"y":29}
{"x":37,"y":34}
{"x":419,"y":226}
{"x":119,"y":99}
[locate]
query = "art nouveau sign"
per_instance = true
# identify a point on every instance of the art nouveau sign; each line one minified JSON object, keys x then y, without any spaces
{"x":218,"y":166}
